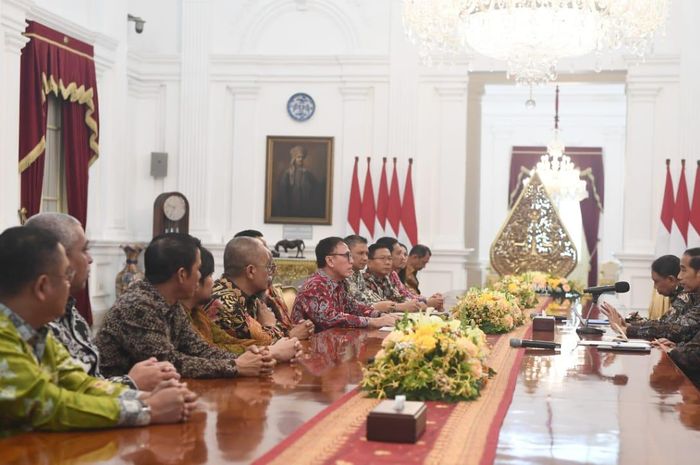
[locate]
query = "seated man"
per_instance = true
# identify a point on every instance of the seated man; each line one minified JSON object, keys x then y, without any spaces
{"x":357,"y":287}
{"x":71,"y":329}
{"x":324,"y":299}
{"x":248,"y":269}
{"x":201,"y":320}
{"x":686,"y":354}
{"x":41,"y":386}
{"x":398,"y":257}
{"x":417,"y":259}
{"x":148,"y":320}
{"x":682,"y":321}
{"x":377,"y":278}
{"x":275,"y":301}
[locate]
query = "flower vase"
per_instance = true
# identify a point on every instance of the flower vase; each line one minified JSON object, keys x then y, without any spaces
{"x":131,"y":272}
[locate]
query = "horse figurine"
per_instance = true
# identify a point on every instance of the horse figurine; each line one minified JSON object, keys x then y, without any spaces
{"x":293,"y":244}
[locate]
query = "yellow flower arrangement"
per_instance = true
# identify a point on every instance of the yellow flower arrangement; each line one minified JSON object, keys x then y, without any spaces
{"x":427,"y":358}
{"x":518,"y":287}
{"x":492,"y":311}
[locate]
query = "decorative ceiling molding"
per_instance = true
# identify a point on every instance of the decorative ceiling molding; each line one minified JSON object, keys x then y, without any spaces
{"x":262,"y":14}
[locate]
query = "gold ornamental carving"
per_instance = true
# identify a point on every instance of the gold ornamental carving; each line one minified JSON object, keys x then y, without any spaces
{"x":533,"y":237}
{"x":292,"y":272}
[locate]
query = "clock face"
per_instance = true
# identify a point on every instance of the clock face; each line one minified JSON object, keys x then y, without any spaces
{"x":174,"y":208}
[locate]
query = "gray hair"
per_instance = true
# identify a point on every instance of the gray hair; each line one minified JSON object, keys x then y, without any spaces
{"x":60,"y":224}
{"x":239,"y":253}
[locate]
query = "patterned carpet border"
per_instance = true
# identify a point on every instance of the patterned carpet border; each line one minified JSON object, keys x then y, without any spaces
{"x":461,"y":436}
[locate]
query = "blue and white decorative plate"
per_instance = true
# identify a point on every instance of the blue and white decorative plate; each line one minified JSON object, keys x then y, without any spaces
{"x":301,"y":106}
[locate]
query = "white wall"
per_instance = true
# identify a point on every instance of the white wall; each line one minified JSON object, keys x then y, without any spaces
{"x":208,"y":80}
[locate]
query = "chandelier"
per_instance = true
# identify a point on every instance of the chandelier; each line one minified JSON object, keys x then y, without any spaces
{"x":531,"y":36}
{"x":560,"y":177}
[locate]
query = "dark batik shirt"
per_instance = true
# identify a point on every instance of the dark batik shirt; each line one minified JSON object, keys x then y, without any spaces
{"x":358,"y":290}
{"x":327,"y":303}
{"x":385,"y":289}
{"x":74,"y":333}
{"x":141,"y":324}
{"x":687,"y":356}
{"x":679,"y":324}
{"x":238,"y":314}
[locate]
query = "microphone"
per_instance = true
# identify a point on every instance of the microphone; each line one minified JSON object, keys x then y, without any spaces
{"x":532,"y":344}
{"x":620,"y":287}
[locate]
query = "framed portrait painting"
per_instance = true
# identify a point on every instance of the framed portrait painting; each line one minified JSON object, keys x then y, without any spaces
{"x":299,"y":180}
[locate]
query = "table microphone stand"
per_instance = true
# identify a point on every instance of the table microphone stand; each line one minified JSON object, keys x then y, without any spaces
{"x":585,"y":329}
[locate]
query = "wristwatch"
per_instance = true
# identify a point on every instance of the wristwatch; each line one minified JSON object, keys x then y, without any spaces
{"x":143,"y":418}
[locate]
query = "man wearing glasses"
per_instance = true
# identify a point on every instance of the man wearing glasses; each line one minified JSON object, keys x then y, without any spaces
{"x":377,"y":278}
{"x":324,"y":297}
{"x":248,"y":271}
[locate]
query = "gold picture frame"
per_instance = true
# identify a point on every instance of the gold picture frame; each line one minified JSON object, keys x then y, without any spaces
{"x":299,"y":180}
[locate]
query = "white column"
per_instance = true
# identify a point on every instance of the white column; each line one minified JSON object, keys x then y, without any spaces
{"x":194,"y":100}
{"x":12,"y":25}
{"x":358,"y":121}
{"x":451,"y":161}
{"x":641,"y":170}
{"x":476,"y":271}
{"x":403,"y":91}
{"x":243,"y":110}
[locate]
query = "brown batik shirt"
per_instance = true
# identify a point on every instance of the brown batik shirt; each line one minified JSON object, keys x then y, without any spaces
{"x":141,"y":324}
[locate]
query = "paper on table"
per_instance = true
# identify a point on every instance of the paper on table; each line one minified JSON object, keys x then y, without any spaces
{"x":618,"y":345}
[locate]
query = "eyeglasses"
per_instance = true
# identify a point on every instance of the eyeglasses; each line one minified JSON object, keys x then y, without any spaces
{"x":271,"y":268}
{"x":347,"y":255}
{"x":386,"y":258}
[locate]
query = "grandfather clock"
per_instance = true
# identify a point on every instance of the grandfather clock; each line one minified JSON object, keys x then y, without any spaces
{"x":171,"y":214}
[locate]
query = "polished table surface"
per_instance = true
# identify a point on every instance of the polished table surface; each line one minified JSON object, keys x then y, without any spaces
{"x":578,"y":406}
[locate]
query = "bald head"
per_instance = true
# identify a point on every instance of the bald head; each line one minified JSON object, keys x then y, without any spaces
{"x":241,"y":252}
{"x":65,"y":227}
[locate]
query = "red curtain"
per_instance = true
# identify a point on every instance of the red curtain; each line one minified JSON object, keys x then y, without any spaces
{"x":53,"y":63}
{"x":590,"y":161}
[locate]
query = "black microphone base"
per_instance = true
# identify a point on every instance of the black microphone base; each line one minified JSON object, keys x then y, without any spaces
{"x":589,"y":330}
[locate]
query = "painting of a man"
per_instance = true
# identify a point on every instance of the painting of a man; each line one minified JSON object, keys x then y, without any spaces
{"x":298,"y":180}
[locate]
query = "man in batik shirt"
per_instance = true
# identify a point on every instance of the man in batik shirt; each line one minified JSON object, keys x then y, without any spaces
{"x":148,"y":319}
{"x":71,"y":329}
{"x":418,"y":258}
{"x":248,"y":270}
{"x":41,"y":386}
{"x":358,"y":289}
{"x":686,"y":354}
{"x":398,"y":262}
{"x":682,"y":321}
{"x":275,"y":301}
{"x":377,"y":278}
{"x":324,"y":299}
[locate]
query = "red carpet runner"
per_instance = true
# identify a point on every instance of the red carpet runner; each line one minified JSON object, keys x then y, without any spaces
{"x":458,"y":433}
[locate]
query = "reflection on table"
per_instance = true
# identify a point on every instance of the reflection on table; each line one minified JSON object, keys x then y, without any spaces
{"x":577,"y":406}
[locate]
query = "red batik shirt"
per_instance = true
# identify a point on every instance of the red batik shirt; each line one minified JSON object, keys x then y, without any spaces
{"x":327,"y":303}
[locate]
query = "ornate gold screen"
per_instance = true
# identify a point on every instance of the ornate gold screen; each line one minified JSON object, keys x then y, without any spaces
{"x":533,"y":238}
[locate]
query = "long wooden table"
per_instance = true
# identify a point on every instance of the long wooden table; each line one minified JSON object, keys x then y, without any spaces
{"x":579,"y":406}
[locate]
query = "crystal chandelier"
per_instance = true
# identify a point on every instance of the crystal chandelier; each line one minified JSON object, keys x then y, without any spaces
{"x":531,"y":36}
{"x":560,"y":177}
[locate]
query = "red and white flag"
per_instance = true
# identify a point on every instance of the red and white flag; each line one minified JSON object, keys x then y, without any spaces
{"x":694,"y":228}
{"x":382,"y":197}
{"x":681,"y":216}
{"x":355,"y":204}
{"x":663,"y":237}
{"x":408,"y":208}
{"x":393,"y":211}
{"x":369,"y":212}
